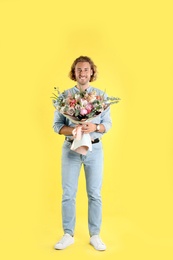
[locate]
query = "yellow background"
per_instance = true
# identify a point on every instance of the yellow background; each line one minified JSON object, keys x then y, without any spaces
{"x":131,"y":43}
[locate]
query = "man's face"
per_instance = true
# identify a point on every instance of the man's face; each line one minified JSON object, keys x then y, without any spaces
{"x":83,"y":72}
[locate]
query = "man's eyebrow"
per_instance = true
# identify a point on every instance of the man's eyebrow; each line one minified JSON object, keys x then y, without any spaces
{"x":81,"y":68}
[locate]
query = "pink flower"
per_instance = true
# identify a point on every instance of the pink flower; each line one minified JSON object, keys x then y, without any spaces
{"x":72,"y":102}
{"x":83,"y":111}
{"x":89,"y":107}
{"x":99,"y":97}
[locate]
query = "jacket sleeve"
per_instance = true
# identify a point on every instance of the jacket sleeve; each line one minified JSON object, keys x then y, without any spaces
{"x":59,"y":121}
{"x":106,"y":119}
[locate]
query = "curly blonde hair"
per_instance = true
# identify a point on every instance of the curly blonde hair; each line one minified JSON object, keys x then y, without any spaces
{"x":83,"y":59}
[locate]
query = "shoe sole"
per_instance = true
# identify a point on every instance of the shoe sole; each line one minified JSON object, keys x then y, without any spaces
{"x":61,"y":248}
{"x":98,"y":249}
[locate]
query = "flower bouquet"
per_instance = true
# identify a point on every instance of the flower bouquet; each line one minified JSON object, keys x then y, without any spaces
{"x":80,"y":108}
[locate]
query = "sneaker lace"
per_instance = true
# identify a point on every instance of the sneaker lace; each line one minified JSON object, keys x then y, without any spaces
{"x":63,"y":239}
{"x":99,"y":241}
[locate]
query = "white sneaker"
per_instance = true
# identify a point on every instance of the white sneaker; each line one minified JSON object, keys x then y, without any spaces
{"x":66,"y":241}
{"x":97,"y":243}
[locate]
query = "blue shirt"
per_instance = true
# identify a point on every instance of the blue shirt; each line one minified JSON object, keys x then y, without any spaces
{"x":104,"y":118}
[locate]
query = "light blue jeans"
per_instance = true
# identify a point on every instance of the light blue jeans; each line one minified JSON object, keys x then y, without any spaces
{"x":93,"y":167}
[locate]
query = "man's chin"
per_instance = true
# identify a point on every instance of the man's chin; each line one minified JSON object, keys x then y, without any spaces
{"x":83,"y":83}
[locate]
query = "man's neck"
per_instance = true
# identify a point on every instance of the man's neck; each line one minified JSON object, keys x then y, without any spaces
{"x":82,"y":87}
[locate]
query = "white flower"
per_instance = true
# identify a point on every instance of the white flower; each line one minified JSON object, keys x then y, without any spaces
{"x":84,"y":102}
{"x":77,"y":106}
{"x":77,"y":96}
{"x":92,"y":98}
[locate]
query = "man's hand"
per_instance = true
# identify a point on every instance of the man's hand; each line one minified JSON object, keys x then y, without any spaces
{"x":88,"y":128}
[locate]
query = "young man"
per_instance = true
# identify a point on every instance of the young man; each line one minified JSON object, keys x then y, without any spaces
{"x":83,"y":71}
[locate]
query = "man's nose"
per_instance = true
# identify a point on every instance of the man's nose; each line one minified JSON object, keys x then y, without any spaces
{"x":82,"y":72}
